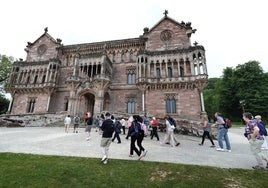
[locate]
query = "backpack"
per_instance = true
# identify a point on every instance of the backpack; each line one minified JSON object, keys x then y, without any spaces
{"x":228,"y":123}
{"x":76,"y":120}
{"x":172,"y":121}
{"x":118,"y":123}
{"x":262,"y":128}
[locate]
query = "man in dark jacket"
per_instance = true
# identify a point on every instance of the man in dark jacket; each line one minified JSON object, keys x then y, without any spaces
{"x":107,"y":128}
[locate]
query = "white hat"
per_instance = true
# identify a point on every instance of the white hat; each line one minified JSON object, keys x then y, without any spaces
{"x":257,"y":117}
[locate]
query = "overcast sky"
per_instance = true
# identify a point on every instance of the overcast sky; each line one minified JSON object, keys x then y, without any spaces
{"x":232,"y":31}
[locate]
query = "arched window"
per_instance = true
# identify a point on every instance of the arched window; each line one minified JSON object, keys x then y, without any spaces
{"x":170,"y":72}
{"x":122,"y":57}
{"x":158,"y":73}
{"x":114,"y":57}
{"x":131,"y":56}
{"x":131,"y":107}
{"x":31,"y":104}
{"x":170,"y":105}
{"x":35,"y":79}
{"x":44,"y":79}
{"x":131,"y":77}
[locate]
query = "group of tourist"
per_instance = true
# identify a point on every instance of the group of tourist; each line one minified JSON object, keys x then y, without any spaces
{"x":256,"y":138}
{"x":138,"y":127}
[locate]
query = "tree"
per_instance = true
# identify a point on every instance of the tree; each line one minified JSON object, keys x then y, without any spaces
{"x":4,"y":102}
{"x":247,"y":83}
{"x":211,"y":96}
{"x":5,"y":69}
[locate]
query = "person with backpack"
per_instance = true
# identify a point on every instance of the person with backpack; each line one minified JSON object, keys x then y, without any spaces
{"x":76,"y":123}
{"x":107,"y":128}
{"x":252,"y":133}
{"x":222,"y":133}
{"x":169,"y":137}
{"x":117,"y":131}
{"x":134,"y":131}
{"x":261,"y":126}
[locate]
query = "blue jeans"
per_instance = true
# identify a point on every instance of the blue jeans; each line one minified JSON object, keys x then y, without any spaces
{"x":223,"y":133}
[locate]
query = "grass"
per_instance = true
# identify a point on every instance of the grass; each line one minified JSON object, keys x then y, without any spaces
{"x":27,"y":170}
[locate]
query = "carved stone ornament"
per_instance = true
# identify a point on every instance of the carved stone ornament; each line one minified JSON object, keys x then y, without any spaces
{"x":166,"y":35}
{"x":41,"y":49}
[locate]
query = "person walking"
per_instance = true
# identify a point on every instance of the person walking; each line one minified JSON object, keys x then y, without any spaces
{"x":89,"y":126}
{"x":133,"y":133}
{"x":117,"y":131}
{"x":124,"y":124}
{"x":222,"y":133}
{"x":129,"y":124}
{"x":169,"y":137}
{"x":206,"y":129}
{"x":255,"y":141}
{"x":76,"y":123}
{"x":264,"y":145}
{"x":67,"y":122}
{"x":154,"y":124}
{"x":141,"y":134}
{"x":107,"y":128}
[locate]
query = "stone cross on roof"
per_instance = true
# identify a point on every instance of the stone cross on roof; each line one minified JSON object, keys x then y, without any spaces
{"x":166,"y":12}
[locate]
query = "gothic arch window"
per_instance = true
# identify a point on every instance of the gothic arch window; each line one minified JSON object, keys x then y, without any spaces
{"x":194,"y":56}
{"x":131,"y":56}
{"x":131,"y":77}
{"x":43,"y":79}
{"x":171,"y":104}
{"x":170,"y":72}
{"x":142,"y":59}
{"x":131,"y":105}
{"x":31,"y":104}
{"x":28,"y":80}
{"x":114,"y":57}
{"x":123,"y":57}
{"x":158,"y":72}
{"x":35,"y":79}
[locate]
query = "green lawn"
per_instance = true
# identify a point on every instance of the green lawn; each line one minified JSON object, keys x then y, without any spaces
{"x":25,"y":170}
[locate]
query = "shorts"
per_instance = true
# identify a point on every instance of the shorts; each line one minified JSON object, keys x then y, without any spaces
{"x":88,"y":128}
{"x":105,"y":142}
{"x":76,"y":125}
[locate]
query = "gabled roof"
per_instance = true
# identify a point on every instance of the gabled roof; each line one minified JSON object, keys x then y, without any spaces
{"x":171,"y":20}
{"x":45,"y":34}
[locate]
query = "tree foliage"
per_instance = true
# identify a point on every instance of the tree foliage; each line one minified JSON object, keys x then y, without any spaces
{"x":244,"y":88}
{"x":5,"y":69}
{"x":4,"y":102}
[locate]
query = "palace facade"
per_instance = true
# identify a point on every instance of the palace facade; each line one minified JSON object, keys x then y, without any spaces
{"x":157,"y":73}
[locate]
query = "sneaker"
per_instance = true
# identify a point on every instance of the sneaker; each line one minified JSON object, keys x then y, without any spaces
{"x":88,"y":138}
{"x":220,"y":149}
{"x":144,"y":153}
{"x":140,"y":157}
{"x":213,"y":146}
{"x":258,"y":168}
{"x":200,"y":144}
{"x":228,"y":150}
{"x":103,"y":158}
{"x":178,"y":144}
{"x":105,"y":161}
{"x":131,"y":156}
